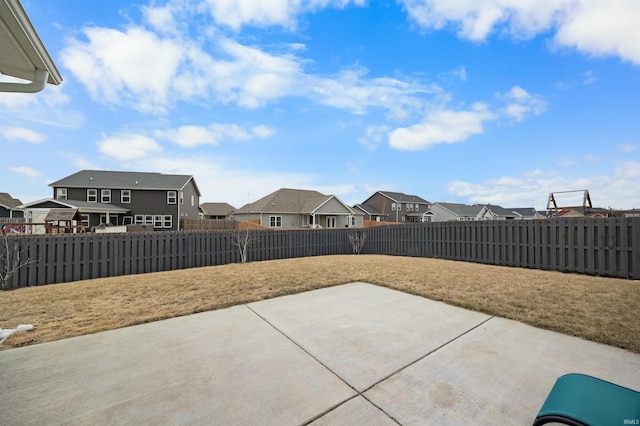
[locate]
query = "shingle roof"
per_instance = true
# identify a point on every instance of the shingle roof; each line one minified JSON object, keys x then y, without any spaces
{"x":286,"y":200}
{"x":8,"y":201}
{"x":124,"y":180}
{"x":498,"y":210}
{"x":217,"y":209}
{"x":462,"y":210}
{"x":368,"y":209}
{"x":403,"y":198}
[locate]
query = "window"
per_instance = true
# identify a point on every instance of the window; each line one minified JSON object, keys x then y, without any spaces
{"x":305,"y":220}
{"x":409,"y":207}
{"x":393,"y":207}
{"x":125,"y":196}
{"x":168,"y":221}
{"x":85,"y":221}
{"x":92,"y":195}
{"x":105,"y":196}
{"x":193,"y":200}
{"x":275,"y":221}
{"x":417,"y":207}
{"x":181,"y":197}
{"x":171,"y":197}
{"x":157,"y":221}
{"x":353,"y":221}
{"x":148,"y":219}
{"x":61,"y":193}
{"x":139,"y":219}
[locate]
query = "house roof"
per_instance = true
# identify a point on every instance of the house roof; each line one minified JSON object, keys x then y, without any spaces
{"x":461,"y":210}
{"x":399,"y":197}
{"x":217,"y":209}
{"x":21,"y":50}
{"x":498,"y":210}
{"x":83,"y":206}
{"x":286,"y":200}
{"x":525,"y":211}
{"x":368,"y":209}
{"x":62,"y":214}
{"x":8,"y":202}
{"x":124,"y":180}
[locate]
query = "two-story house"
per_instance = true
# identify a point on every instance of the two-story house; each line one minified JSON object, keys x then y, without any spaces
{"x":397,"y":207}
{"x":124,"y":198}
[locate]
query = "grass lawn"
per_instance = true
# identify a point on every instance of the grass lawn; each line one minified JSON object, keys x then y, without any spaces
{"x":600,"y":309}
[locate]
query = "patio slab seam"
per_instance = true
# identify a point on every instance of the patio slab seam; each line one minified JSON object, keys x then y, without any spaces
{"x":362,"y":393}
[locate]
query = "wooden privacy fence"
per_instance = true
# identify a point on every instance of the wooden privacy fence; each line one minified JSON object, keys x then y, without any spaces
{"x":607,"y":247}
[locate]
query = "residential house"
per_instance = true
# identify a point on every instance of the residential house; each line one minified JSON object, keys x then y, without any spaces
{"x":369,"y":212}
{"x":216,"y":211}
{"x":398,"y":207}
{"x":124,"y":198}
{"x":299,"y":208}
{"x":493,"y":212}
{"x":445,"y":212}
{"x":9,"y":207}
{"x":528,"y":213}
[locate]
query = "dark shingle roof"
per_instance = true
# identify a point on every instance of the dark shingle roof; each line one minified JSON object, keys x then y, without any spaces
{"x":403,"y":198}
{"x":462,"y":210}
{"x":368,"y":209}
{"x":124,"y":180}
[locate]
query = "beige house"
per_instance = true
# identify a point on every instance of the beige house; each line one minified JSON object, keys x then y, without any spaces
{"x":300,"y":208}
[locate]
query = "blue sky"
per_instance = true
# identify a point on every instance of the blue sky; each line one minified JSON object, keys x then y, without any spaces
{"x":499,"y":101}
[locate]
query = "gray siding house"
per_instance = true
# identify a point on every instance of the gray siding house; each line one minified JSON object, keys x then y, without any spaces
{"x":299,"y":208}
{"x":124,"y":198}
{"x":9,"y":206}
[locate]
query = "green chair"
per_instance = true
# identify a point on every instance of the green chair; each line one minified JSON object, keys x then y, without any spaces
{"x":580,"y":400}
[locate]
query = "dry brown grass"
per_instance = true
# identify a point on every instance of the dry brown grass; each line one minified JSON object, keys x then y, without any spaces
{"x":601,"y":309}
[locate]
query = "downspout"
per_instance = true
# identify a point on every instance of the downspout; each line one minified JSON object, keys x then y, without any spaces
{"x":39,"y":83}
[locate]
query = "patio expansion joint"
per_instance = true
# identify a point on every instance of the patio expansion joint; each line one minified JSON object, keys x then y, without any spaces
{"x":357,"y":392}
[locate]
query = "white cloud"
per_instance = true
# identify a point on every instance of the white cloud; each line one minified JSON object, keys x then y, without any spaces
{"x":602,"y":28}
{"x":241,"y":186}
{"x":442,"y":127}
{"x":191,"y":136}
{"x":264,"y":13}
{"x":373,"y":136}
{"x":592,"y":27}
{"x":25,"y":171}
{"x":351,"y":91}
{"x":128,"y":146}
{"x":28,"y":135}
{"x":521,"y":103}
{"x":113,"y":65}
{"x":616,"y":189}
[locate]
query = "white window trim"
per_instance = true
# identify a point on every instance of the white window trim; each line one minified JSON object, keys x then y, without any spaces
{"x":172,"y":197}
{"x":123,"y":198}
{"x":168,"y":221}
{"x":105,"y":196}
{"x":61,"y":193}
{"x":275,"y":221}
{"x":92,"y":193}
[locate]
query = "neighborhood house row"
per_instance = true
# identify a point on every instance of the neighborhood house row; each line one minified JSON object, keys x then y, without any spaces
{"x":94,"y":199}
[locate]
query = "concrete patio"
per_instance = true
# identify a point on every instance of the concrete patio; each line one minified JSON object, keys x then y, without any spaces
{"x":351,"y":354}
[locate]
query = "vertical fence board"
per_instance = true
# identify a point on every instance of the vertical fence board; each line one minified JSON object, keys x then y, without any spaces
{"x":606,"y":247}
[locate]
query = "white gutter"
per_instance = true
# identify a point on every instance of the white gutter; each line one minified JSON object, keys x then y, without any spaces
{"x":39,"y":83}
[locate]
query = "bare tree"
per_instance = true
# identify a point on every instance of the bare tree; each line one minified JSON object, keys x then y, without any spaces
{"x":13,"y":257}
{"x":242,"y":238}
{"x":357,"y":240}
